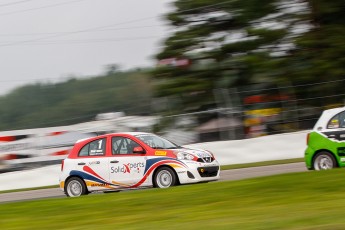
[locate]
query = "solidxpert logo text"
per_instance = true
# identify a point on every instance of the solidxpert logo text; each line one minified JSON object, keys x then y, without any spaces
{"x":127,"y":168}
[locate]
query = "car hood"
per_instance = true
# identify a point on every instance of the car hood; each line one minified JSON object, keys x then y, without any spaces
{"x":200,"y":153}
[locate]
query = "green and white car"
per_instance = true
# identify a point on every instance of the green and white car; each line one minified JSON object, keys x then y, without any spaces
{"x":326,"y":142}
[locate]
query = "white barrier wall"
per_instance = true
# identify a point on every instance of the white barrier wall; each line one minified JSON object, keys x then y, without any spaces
{"x":266,"y":148}
{"x":273,"y":147}
{"x":30,"y":178}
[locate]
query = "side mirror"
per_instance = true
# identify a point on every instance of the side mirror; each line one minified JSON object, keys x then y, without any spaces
{"x":138,"y":150}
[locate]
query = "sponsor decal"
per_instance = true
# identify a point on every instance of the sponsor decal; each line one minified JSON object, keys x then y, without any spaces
{"x":98,"y":185}
{"x":94,"y":162}
{"x":96,"y":152}
{"x":160,"y":153}
{"x":127,"y":168}
{"x":342,"y":159}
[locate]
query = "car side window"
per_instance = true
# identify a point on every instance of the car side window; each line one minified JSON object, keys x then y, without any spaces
{"x":338,"y":121}
{"x":94,"y":148}
{"x":123,"y":145}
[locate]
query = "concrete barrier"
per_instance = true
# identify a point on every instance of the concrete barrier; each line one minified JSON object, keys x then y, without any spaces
{"x":30,"y":178}
{"x":266,"y":148}
{"x":273,"y":147}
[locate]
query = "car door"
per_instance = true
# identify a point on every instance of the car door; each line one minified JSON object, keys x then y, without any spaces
{"x":126,"y":168}
{"x":93,"y":164}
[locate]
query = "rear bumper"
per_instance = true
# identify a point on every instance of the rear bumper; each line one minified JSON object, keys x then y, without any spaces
{"x":308,"y":157}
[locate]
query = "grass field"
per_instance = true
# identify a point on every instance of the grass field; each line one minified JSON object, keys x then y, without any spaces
{"x":309,"y":200}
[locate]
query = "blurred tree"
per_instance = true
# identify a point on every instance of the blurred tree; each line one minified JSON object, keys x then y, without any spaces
{"x":319,"y":54}
{"x":216,"y":45}
{"x":223,"y":44}
{"x":112,"y":68}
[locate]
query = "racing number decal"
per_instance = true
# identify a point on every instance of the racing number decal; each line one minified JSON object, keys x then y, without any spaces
{"x":100,"y":144}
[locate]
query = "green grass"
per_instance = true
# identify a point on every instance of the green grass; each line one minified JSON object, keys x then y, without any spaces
{"x":309,"y":200}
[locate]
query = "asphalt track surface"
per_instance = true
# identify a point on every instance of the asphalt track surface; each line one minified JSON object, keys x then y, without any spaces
{"x":226,"y":175}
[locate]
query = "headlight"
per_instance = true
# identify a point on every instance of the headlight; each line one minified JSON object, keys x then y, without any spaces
{"x":211,"y":154}
{"x":184,"y":156}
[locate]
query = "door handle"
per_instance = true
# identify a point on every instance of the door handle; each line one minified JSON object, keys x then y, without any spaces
{"x":114,"y":161}
{"x":81,"y":163}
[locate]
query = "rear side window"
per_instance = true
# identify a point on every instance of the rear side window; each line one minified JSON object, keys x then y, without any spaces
{"x":338,"y":121}
{"x":94,"y":148}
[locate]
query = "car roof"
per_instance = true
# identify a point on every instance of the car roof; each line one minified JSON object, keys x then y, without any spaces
{"x":121,"y":133}
{"x":136,"y":133}
{"x":326,"y":116}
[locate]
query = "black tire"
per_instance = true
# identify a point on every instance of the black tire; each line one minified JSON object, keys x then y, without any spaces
{"x":75,"y":187}
{"x":164,"y":177}
{"x":324,"y":161}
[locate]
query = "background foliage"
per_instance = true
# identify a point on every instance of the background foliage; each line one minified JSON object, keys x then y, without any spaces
{"x":215,"y":45}
{"x":247,"y":42}
{"x":76,"y":100}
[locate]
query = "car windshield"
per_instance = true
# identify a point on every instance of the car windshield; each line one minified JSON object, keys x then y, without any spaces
{"x":157,"y":142}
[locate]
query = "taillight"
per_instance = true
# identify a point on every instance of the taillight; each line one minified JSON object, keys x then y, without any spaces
{"x":62,"y":164}
{"x":308,"y":135}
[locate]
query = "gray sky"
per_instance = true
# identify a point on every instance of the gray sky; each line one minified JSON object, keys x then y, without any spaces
{"x":50,"y":40}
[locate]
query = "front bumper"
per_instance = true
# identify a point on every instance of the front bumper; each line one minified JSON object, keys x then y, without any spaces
{"x":199,"y":172}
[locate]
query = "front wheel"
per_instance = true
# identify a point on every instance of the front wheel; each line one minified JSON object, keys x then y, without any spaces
{"x":75,"y":187}
{"x":164,"y":178}
{"x":324,"y":161}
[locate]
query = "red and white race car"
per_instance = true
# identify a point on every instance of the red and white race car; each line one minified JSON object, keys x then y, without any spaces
{"x":120,"y":161}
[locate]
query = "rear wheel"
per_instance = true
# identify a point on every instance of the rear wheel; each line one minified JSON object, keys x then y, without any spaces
{"x":324,"y":161}
{"x":75,"y":187}
{"x":164,"y":178}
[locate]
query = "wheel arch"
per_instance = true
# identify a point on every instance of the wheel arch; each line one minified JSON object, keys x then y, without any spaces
{"x":327,"y":151}
{"x":165,"y":166}
{"x":71,"y":176}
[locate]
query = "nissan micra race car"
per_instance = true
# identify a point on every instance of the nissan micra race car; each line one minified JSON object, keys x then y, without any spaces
{"x":326,"y":143}
{"x":120,"y":161}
